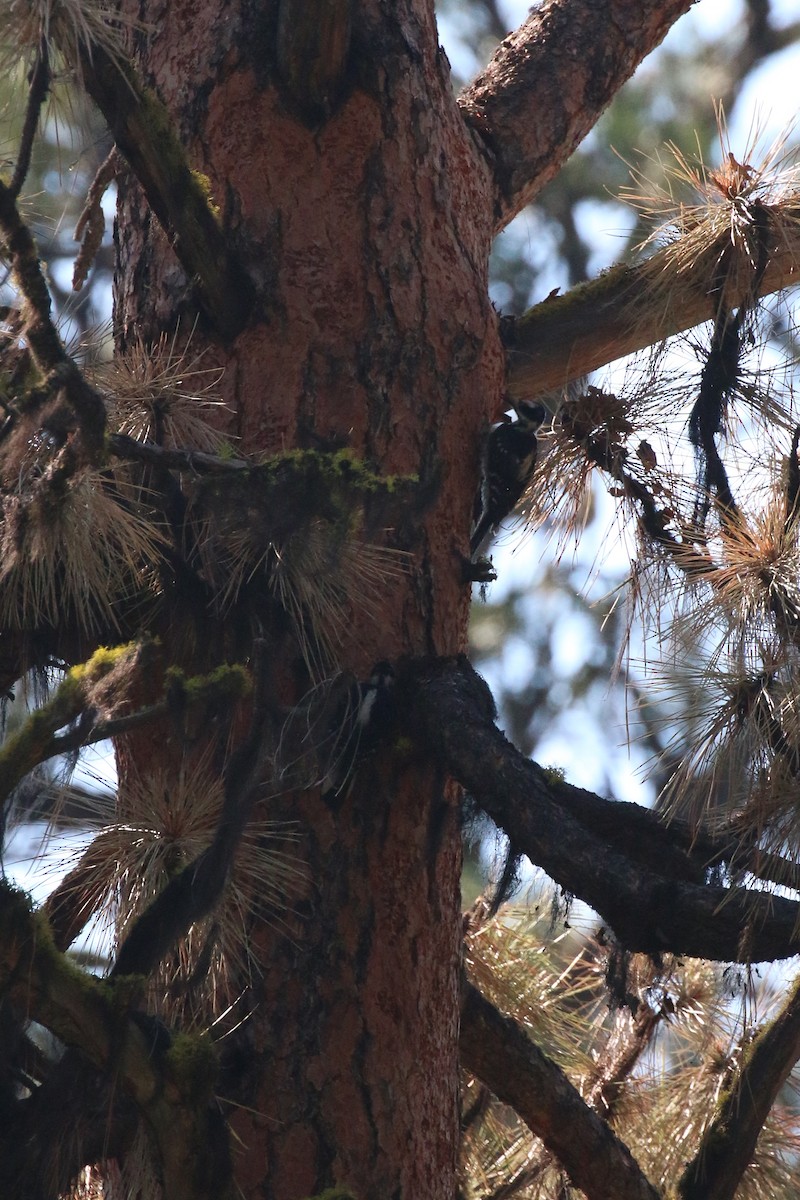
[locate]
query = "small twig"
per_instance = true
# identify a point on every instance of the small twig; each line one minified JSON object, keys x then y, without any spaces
{"x":197,"y":461}
{"x":40,"y":332}
{"x":92,"y":222}
{"x":37,"y":94}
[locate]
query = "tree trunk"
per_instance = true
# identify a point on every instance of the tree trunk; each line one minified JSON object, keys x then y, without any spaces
{"x":361,"y":206}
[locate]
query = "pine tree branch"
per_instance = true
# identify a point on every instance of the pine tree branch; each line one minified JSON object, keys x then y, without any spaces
{"x":728,"y":1144}
{"x":102,"y":683}
{"x":595,"y":323}
{"x":550,"y":80}
{"x":194,"y":892}
{"x":57,"y":368}
{"x":68,"y":907}
{"x":500,"y":1053}
{"x":145,"y":135}
{"x":172,"y":1091}
{"x":123,"y":446}
{"x":37,"y":94}
{"x":650,"y":907}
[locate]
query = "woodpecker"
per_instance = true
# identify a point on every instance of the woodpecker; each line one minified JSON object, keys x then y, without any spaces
{"x":508,"y":464}
{"x":363,"y":717}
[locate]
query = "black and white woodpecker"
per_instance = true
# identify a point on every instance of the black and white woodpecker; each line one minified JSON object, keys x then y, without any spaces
{"x":365,"y":715}
{"x":509,"y":460}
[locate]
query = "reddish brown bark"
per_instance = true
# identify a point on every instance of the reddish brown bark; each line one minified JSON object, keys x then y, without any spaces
{"x":366,"y":232}
{"x":368,"y":240}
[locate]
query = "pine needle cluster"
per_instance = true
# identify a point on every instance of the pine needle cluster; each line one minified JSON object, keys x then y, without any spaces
{"x":319,"y":563}
{"x":164,"y":394}
{"x":158,"y":825}
{"x":654,"y":1063}
{"x":81,"y":548}
{"x":67,"y":28}
{"x":698,"y":447}
{"x":711,"y":217}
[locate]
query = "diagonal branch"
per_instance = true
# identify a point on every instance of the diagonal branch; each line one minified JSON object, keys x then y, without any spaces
{"x":549,"y":82}
{"x":500,"y":1053}
{"x":648,"y":910}
{"x":47,"y":350}
{"x":37,"y":94}
{"x":193,"y":893}
{"x":730,"y":1140}
{"x":595,"y":323}
{"x":144,"y":133}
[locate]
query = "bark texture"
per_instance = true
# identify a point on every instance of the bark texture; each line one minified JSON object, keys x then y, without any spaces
{"x":362,"y":209}
{"x":366,"y":233}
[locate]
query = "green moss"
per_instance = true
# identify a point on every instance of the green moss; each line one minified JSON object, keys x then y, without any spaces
{"x":204,"y":186}
{"x":192,"y":1061}
{"x":227,"y":681}
{"x":555,"y":774}
{"x":560,"y":305}
{"x":104,"y":659}
{"x":191,"y":189}
{"x":339,"y":466}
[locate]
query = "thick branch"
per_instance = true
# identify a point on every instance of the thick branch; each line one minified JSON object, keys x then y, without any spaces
{"x":648,"y":911}
{"x":566,"y":337}
{"x":144,"y":133}
{"x":729,"y":1142}
{"x":501,"y":1055}
{"x":549,"y":82}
